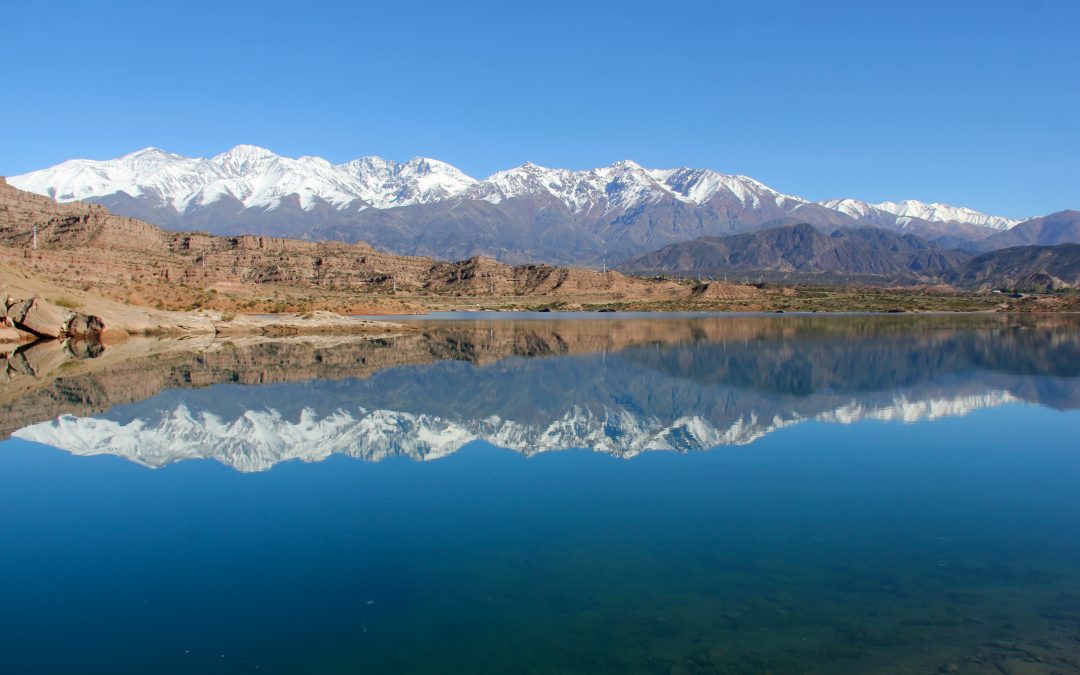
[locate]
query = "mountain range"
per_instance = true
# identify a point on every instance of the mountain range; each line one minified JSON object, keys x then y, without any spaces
{"x":426,"y":207}
{"x":1062,"y":227}
{"x":800,"y":251}
{"x":804,"y":250}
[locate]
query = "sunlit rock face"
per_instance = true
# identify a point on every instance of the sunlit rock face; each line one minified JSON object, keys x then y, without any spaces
{"x":620,"y":387}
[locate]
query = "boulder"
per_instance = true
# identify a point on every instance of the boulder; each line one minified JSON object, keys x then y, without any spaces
{"x":10,"y":334}
{"x":39,"y":317}
{"x":84,"y":326}
{"x":16,"y":309}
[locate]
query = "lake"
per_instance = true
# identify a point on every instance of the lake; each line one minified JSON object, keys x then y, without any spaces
{"x":539,"y":493}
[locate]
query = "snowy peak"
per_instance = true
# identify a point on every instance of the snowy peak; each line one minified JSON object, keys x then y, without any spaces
{"x":625,"y":184}
{"x":422,"y":180}
{"x":851,"y":207}
{"x":628,"y":184}
{"x":577,"y":190}
{"x":943,"y":213}
{"x":619,"y":186}
{"x":261,"y":179}
{"x":384,"y":183}
{"x":911,"y":208}
{"x":150,"y":154}
{"x":254,"y":176}
{"x":698,"y":186}
{"x":244,"y":160}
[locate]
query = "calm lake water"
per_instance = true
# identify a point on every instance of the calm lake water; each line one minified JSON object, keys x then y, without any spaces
{"x":532,"y":494}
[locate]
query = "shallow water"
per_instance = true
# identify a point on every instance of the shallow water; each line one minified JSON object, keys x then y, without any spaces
{"x":735,"y":494}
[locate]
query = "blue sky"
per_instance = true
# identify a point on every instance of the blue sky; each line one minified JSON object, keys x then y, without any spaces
{"x":971,"y":103}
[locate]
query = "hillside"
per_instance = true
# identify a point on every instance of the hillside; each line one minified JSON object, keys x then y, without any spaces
{"x":1029,"y":269}
{"x":803,"y":250}
{"x":1062,"y":227}
{"x":85,"y":248}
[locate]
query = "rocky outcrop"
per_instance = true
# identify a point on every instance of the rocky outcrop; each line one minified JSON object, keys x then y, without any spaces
{"x":719,"y":290}
{"x":84,"y":326}
{"x":10,"y":331}
{"x":1041,"y":282}
{"x":35,"y":318}
{"x":11,"y":335}
{"x":486,"y":277}
{"x":40,"y":317}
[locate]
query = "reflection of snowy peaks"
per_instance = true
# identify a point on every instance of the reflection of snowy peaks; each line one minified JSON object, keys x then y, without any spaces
{"x":903,"y":410}
{"x":258,"y":439}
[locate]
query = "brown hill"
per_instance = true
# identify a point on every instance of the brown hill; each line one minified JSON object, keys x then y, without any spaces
{"x":83,"y":244}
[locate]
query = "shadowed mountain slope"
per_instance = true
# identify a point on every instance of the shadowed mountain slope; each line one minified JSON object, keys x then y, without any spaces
{"x":1033,"y":269}
{"x":804,"y":250}
{"x":1062,"y":227}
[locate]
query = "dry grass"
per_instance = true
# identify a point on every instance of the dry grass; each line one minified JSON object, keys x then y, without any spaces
{"x":66,"y":303}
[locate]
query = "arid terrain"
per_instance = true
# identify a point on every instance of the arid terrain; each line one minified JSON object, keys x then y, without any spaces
{"x":80,"y":257}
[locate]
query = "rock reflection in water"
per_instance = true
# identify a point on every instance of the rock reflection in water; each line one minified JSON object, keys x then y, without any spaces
{"x":619,"y":386}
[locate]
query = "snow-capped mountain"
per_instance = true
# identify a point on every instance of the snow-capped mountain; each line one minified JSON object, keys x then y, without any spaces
{"x":254,"y":176}
{"x":424,"y":206}
{"x":386,"y":184}
{"x":259,"y":439}
{"x":913,"y":209}
{"x":623,"y":185}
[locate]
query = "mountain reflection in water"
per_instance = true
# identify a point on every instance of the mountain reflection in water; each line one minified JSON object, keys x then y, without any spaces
{"x":836,"y":546}
{"x":622,"y":386}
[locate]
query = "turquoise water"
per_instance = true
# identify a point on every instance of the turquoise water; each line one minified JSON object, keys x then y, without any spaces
{"x":785,"y":497}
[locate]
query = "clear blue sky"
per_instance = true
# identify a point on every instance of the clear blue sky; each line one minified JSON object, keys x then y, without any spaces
{"x":972,"y":103}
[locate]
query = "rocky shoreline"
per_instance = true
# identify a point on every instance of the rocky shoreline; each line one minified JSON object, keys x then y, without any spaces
{"x":33,"y":318}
